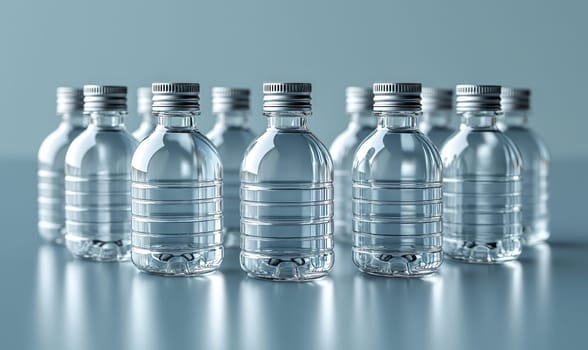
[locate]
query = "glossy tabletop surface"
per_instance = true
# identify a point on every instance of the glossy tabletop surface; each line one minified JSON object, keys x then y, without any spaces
{"x":51,"y":301}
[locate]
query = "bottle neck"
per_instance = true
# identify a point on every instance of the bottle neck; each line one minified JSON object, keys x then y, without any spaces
{"x":108,"y":119}
{"x":233,"y":118}
{"x":437,"y":118}
{"x":287,"y":120}
{"x":514,"y":118}
{"x":147,"y":118}
{"x":177,"y":120}
{"x":75,"y":119}
{"x":479,"y":120}
{"x":363,"y":119}
{"x":397,"y":120}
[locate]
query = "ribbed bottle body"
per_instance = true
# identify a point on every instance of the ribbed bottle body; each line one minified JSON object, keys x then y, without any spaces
{"x":287,"y":206}
{"x":176,"y":203}
{"x":97,"y":193}
{"x":397,"y":204}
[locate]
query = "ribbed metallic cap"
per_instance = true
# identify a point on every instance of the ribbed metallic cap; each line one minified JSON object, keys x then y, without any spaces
{"x":144,"y":97}
{"x":286,"y":97}
{"x":70,"y":99}
{"x":226,"y":99}
{"x":105,"y":98}
{"x":434,"y":99}
{"x":176,"y":97}
{"x":477,"y":98}
{"x":512,"y":99}
{"x":397,"y":97}
{"x":358,"y":99}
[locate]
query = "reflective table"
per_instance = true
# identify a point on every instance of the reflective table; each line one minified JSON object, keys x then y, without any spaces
{"x":51,"y":301}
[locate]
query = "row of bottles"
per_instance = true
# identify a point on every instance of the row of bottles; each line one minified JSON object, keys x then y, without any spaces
{"x":167,"y":196}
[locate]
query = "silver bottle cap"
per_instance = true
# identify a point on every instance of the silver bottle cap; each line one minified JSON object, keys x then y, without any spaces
{"x":397,"y":97}
{"x":70,"y":100}
{"x":512,"y":99}
{"x":286,"y":97}
{"x":226,"y":99}
{"x":434,"y":99}
{"x":144,"y":97}
{"x":183,"y":97}
{"x":105,"y":98}
{"x":358,"y":99}
{"x":477,"y":98}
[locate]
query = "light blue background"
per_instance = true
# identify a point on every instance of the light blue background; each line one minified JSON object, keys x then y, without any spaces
{"x":333,"y":44}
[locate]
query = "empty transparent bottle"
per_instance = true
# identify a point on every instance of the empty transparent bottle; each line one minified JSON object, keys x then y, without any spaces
{"x":231,"y":135}
{"x":536,"y":160}
{"x":51,"y":164}
{"x":397,"y":190}
{"x":437,"y":114}
{"x":144,"y":109}
{"x":481,"y":182}
{"x":359,"y":103}
{"x":98,"y":179}
{"x":287,"y":192}
{"x":177,"y":189}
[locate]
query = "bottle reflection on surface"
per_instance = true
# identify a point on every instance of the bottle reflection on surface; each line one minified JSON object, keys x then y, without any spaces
{"x":180,"y":313}
{"x":287,"y":315}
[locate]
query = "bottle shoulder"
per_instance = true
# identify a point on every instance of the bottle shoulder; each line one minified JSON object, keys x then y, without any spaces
{"x":345,"y":144}
{"x":55,"y":145}
{"x":529,"y":143}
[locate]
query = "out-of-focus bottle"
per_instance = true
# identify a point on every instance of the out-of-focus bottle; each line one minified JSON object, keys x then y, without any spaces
{"x":437,"y":114}
{"x":481,"y":182}
{"x":359,"y":102}
{"x":231,"y":135}
{"x":51,"y":163}
{"x":397,"y":193}
{"x":536,"y":159}
{"x":287,"y":192}
{"x":177,"y":189}
{"x":98,"y":179}
{"x":144,"y":109}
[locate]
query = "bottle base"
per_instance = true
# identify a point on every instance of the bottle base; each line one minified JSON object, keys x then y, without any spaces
{"x":533,"y":237}
{"x":287,"y":267}
{"x":54,"y":234}
{"x":482,"y":252}
{"x":97,"y":250}
{"x":187,"y":263}
{"x":397,"y":264}
{"x":231,"y":238}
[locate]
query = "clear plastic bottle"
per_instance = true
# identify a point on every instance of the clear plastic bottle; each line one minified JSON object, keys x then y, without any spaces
{"x":144,"y":109}
{"x":231,"y":135}
{"x":177,"y":189}
{"x":359,"y":102}
{"x":437,"y":114}
{"x":97,"y":179}
{"x":481,"y":182}
{"x":51,"y":163}
{"x":287,"y":192}
{"x":397,"y":190}
{"x":536,"y":160}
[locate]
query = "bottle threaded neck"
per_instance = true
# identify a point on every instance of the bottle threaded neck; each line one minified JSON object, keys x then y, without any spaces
{"x":226,"y":99}
{"x":513,"y":99}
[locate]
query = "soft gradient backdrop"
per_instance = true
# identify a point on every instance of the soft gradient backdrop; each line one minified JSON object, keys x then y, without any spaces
{"x":332,"y":44}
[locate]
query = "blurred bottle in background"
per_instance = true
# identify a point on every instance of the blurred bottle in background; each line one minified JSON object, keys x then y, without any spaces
{"x":231,"y":135}
{"x":481,"y":182}
{"x":514,"y":123}
{"x":97,"y":179}
{"x":436,"y":120}
{"x":148,"y":123}
{"x":177,"y":189}
{"x":51,"y":163}
{"x":359,"y":102}
{"x":287,"y":192}
{"x":397,"y":193}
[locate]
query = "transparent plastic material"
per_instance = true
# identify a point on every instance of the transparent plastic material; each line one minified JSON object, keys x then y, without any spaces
{"x":437,"y":126}
{"x":51,"y":176}
{"x":536,"y":160}
{"x":397,"y":200}
{"x":231,"y":135}
{"x":481,"y":192}
{"x":177,"y":203}
{"x":287,"y":202}
{"x":97,"y":189}
{"x":342,"y":150}
{"x":146,"y":127}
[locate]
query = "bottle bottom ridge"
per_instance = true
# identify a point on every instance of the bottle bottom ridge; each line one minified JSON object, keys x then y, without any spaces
{"x":178,"y":263}
{"x":483,"y":252}
{"x":392,"y":263}
{"x":52,"y":233}
{"x":536,"y":233}
{"x":287,"y":267}
{"x":98,"y":250}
